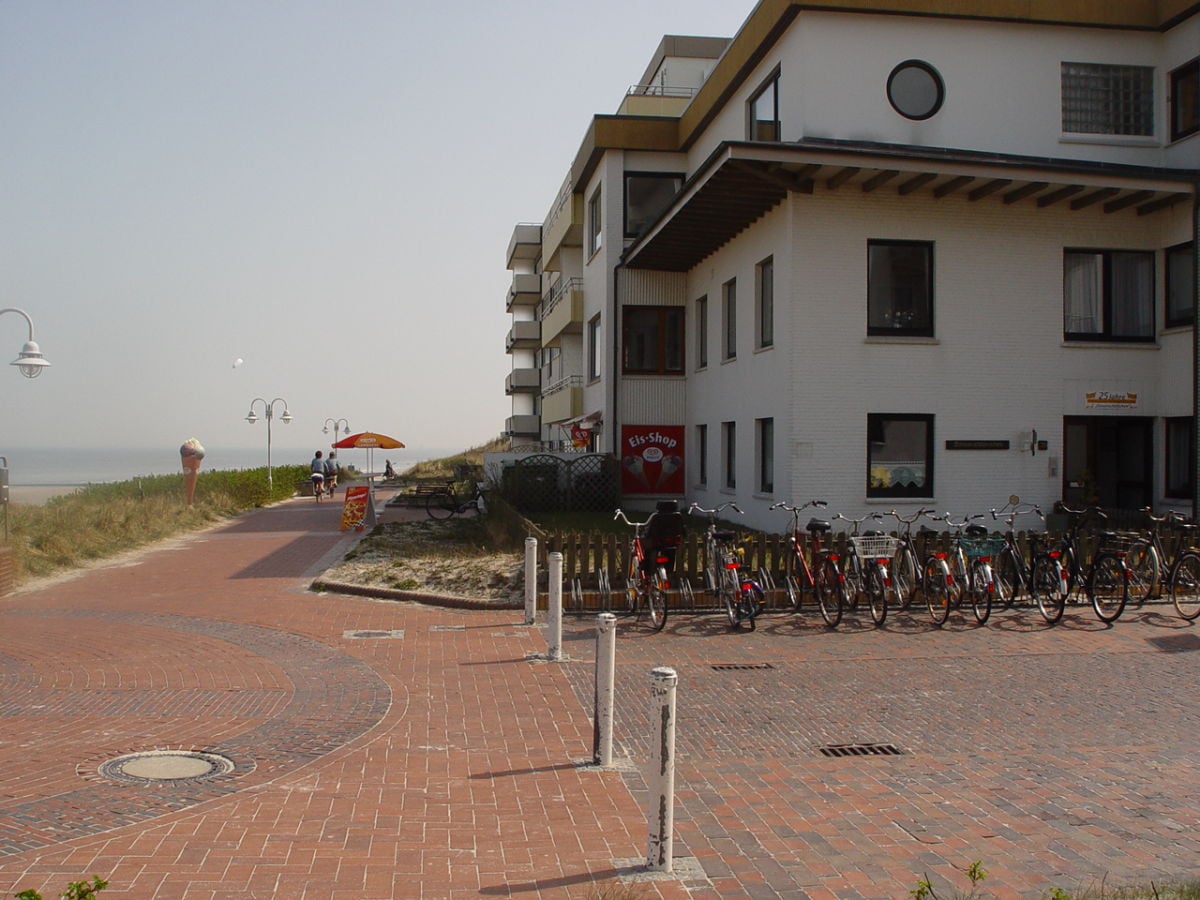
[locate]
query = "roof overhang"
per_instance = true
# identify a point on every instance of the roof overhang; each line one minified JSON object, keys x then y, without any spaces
{"x":740,"y":182}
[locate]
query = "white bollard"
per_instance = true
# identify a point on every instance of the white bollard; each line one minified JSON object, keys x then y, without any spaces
{"x":554,"y":609}
{"x":662,"y":775}
{"x":530,"y":580}
{"x":606,"y":665}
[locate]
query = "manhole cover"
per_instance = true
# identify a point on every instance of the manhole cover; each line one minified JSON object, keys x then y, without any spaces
{"x":157,"y":766}
{"x":842,"y":750}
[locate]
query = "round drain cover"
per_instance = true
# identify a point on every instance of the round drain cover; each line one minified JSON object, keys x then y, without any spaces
{"x":155,"y":766}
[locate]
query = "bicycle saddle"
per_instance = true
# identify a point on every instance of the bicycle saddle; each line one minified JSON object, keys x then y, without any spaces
{"x":976,"y":531}
{"x":872,"y":534}
{"x":724,"y":536}
{"x":816,"y":525}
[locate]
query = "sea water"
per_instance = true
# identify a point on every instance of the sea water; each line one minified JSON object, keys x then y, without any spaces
{"x":72,"y":466}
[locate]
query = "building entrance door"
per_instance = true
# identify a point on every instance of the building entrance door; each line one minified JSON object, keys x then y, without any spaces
{"x":1108,"y":460}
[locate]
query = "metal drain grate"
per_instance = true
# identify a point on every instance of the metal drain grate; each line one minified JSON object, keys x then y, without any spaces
{"x":370,"y":634}
{"x":740,"y":667}
{"x":842,"y":750}
{"x":436,"y":628}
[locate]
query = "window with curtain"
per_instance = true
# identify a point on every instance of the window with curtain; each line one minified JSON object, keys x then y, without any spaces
{"x":1108,"y":295}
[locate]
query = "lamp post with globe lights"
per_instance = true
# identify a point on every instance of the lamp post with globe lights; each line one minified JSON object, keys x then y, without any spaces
{"x":336,"y":423}
{"x":269,"y":412}
{"x":30,"y":362}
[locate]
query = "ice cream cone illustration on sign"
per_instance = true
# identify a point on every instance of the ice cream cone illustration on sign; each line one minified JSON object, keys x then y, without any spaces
{"x":190,"y":454}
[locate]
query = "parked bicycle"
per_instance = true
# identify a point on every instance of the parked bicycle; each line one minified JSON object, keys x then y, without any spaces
{"x":866,"y":566}
{"x":973,"y":581}
{"x":906,"y":568}
{"x":740,"y":595}
{"x":819,"y":571}
{"x":1104,"y":580}
{"x":1015,"y":571}
{"x":647,"y":578}
{"x":446,"y":502}
{"x":1154,"y":572}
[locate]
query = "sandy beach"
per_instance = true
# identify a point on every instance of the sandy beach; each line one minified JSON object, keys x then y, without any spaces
{"x":37,"y":494}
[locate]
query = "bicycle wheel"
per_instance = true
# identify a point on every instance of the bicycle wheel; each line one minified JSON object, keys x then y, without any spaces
{"x":1185,"y":585}
{"x":729,"y":598}
{"x":656,"y":599}
{"x":791,"y":581}
{"x":750,"y":602}
{"x":855,"y":583}
{"x":1144,"y":570}
{"x":936,"y":580}
{"x":960,"y":576}
{"x":981,"y":586}
{"x":440,"y":505}
{"x":1108,"y":587}
{"x":831,"y":592}
{"x":877,"y":591}
{"x":1047,"y":582}
{"x":1008,"y":578}
{"x":904,"y":577}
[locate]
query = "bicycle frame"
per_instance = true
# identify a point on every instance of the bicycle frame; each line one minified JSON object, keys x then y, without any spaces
{"x":819,"y":570}
{"x":741,"y":596}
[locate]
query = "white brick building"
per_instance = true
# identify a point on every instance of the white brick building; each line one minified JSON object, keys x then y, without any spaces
{"x":866,"y":254}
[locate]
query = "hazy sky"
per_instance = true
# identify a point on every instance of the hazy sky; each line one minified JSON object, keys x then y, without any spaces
{"x":325,"y":190}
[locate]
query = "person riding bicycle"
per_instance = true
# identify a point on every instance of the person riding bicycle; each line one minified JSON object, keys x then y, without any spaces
{"x":331,"y":472}
{"x":664,"y":533}
{"x":317,"y":468}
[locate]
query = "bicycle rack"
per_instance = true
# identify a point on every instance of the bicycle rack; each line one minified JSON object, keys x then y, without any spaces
{"x":577,"y":593}
{"x":687,"y":596}
{"x":765,"y":580}
{"x":604,"y":588}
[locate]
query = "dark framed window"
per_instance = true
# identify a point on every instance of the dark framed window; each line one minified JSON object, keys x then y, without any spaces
{"x":1181,"y":456}
{"x":652,"y":340}
{"x":900,"y":288}
{"x":764,"y":112}
{"x":915,"y":89}
{"x":764,"y":302}
{"x":765,"y":438}
{"x":1105,"y":99}
{"x":593,"y":348}
{"x":702,"y":332}
{"x":702,"y":454}
{"x":1185,"y":100}
{"x":1108,"y":295}
{"x":595,"y":222}
{"x":729,"y":319}
{"x":647,"y":194}
{"x":899,"y":455}
{"x":1181,"y":284}
{"x":729,"y":454}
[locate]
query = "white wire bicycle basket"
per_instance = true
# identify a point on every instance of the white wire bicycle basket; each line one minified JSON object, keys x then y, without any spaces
{"x":875,"y":546}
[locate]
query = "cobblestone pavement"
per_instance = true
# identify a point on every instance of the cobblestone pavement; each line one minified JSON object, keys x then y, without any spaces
{"x":390,"y":750}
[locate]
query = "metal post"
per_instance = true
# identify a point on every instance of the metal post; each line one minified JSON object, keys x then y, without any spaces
{"x":554,"y":610}
{"x":530,"y":580}
{"x":662,"y":775}
{"x":606,"y":664}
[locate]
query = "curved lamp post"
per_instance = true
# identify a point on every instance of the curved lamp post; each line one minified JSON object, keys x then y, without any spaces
{"x":269,"y":411}
{"x":336,"y":423}
{"x":30,"y":362}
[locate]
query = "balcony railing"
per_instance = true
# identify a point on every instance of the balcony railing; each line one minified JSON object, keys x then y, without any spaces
{"x":563,"y":227}
{"x":656,"y":100}
{"x":563,"y":400}
{"x":562,"y":311}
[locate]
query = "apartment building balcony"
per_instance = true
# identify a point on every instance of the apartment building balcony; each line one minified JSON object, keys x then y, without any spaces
{"x":563,"y":227}
{"x":656,"y":100}
{"x":526,"y":290}
{"x":524,"y":336}
{"x":562,"y":311}
{"x":525,"y":246}
{"x":563,"y":400}
{"x":523,"y":381}
{"x":523,"y":426}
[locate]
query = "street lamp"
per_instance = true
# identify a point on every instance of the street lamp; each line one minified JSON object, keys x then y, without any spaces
{"x":335,"y":423}
{"x":30,"y":362}
{"x":269,"y":411}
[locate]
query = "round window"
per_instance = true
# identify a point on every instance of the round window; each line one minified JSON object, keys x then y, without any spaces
{"x":915,"y":89}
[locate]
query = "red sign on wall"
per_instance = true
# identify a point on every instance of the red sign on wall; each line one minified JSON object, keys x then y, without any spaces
{"x":652,"y":459}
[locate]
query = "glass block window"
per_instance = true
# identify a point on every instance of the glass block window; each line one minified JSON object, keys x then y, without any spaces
{"x":1104,"y":99}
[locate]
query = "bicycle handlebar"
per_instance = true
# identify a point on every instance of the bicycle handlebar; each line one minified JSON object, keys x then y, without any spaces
{"x":620,"y":514}
{"x":857,"y":522}
{"x":918,"y":514}
{"x":822,"y":504}
{"x":696,"y":507}
{"x":1018,"y":510}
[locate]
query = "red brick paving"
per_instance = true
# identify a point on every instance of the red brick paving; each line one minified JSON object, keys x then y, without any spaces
{"x":438,"y":758}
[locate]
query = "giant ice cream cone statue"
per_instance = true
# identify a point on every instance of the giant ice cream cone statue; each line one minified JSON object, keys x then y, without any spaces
{"x":190,"y":454}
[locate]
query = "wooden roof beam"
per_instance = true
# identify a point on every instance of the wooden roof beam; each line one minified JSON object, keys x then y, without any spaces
{"x":986,"y":190}
{"x":878,"y":180}
{"x":1161,"y":203}
{"x":1127,"y":201}
{"x":841,"y":177}
{"x":1094,"y":197}
{"x":916,"y":182}
{"x":947,"y":188}
{"x":1061,"y":194}
{"x":1024,"y":191}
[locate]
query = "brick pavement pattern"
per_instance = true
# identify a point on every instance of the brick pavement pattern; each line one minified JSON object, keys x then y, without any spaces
{"x":392,"y":750}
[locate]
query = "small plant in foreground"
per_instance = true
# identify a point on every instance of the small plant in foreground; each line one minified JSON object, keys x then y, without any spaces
{"x":76,"y":890}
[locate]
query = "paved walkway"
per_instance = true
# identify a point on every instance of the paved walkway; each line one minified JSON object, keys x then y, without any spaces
{"x":390,"y":750}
